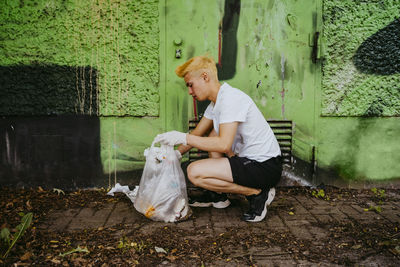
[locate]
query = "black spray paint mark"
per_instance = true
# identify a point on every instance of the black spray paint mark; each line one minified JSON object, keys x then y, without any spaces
{"x":228,"y":47}
{"x":230,"y":25}
{"x":380,"y":53}
{"x":48,"y":90}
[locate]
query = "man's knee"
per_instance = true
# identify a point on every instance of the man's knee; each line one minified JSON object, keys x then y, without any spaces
{"x":194,"y":173}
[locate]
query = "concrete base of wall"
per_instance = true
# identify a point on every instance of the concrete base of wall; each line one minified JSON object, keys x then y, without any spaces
{"x":51,"y":152}
{"x":305,"y":174}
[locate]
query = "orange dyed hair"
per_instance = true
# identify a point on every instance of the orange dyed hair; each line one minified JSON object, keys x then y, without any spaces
{"x":199,"y":63}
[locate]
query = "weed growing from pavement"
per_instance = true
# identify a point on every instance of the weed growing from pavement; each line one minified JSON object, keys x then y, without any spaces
{"x":9,"y":243}
{"x":126,"y":244}
{"x":320,"y":194}
{"x":379,"y":195}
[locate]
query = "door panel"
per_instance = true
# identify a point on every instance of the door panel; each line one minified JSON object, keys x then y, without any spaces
{"x":264,"y":48}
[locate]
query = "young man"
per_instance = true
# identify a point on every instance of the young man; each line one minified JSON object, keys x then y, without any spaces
{"x":244,"y":153}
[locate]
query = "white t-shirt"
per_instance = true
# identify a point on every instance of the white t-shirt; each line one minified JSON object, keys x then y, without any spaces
{"x":254,"y":137}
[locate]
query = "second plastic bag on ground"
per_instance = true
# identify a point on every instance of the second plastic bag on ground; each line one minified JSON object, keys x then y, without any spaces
{"x":162,"y":192}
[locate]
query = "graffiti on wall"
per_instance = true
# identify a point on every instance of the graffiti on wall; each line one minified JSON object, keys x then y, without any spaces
{"x":228,"y":46}
{"x":48,"y":90}
{"x":361,"y":68}
{"x":380,"y":53}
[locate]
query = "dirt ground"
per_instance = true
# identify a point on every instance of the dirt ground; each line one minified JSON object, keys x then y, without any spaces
{"x":172,"y":246}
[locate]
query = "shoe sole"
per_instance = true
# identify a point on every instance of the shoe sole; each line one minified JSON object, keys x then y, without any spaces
{"x":261,"y":217}
{"x":271,"y":196}
{"x":217,"y":205}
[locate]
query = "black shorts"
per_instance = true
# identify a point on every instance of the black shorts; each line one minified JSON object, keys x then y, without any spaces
{"x":254,"y":174}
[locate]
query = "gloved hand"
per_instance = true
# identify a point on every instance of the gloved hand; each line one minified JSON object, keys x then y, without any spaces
{"x":171,"y":138}
{"x":178,"y":154}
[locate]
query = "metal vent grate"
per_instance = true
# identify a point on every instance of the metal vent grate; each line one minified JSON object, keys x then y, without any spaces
{"x":282,"y":129}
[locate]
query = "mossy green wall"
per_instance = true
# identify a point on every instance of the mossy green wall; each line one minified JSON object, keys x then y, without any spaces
{"x":361,"y":71}
{"x":106,"y":49}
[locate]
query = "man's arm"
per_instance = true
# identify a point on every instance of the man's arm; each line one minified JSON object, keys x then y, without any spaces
{"x":202,"y":128}
{"x":221,"y":143}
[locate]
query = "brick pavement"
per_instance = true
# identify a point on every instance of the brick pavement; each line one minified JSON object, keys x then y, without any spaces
{"x":307,"y":219}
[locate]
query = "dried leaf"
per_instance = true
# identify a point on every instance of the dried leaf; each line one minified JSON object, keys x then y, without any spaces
{"x":171,"y":258}
{"x":55,"y":261}
{"x":28,"y":205}
{"x":26,"y":256}
{"x":160,"y":250}
{"x":58,"y":191}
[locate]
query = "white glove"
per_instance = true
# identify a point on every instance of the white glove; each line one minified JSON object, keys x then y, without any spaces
{"x":171,"y":138}
{"x":178,"y":154}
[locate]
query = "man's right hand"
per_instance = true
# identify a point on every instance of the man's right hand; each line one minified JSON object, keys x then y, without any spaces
{"x":171,"y":138}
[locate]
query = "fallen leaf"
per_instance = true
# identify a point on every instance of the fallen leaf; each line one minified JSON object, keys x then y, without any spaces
{"x":40,"y":189}
{"x":291,"y":213}
{"x":58,"y":191}
{"x":78,"y":249}
{"x":26,"y":256}
{"x":160,"y":250}
{"x":171,"y":258}
{"x":356,"y":246}
{"x":55,"y":261}
{"x":28,"y":205}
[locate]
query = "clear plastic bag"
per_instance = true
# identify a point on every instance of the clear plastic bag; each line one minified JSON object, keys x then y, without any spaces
{"x":162,"y":194}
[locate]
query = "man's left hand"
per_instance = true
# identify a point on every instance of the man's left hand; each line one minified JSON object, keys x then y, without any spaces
{"x":171,"y":138}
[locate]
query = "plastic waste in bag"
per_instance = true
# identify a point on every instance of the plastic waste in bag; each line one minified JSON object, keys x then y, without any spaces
{"x":124,"y":189}
{"x":162,"y":192}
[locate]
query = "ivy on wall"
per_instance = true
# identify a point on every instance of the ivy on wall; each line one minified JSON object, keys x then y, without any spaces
{"x":95,"y":57}
{"x":361,"y":71}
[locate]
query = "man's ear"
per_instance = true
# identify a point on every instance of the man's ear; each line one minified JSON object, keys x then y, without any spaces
{"x":205,"y":76}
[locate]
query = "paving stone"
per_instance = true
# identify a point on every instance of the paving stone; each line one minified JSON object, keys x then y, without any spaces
{"x":61,"y":219}
{"x":318,"y":233}
{"x":282,"y":262}
{"x":304,"y":263}
{"x":361,"y":216}
{"x":390,"y":212}
{"x":119,"y":213}
{"x":201,"y":217}
{"x":262,"y":256}
{"x":338,"y":215}
{"x":324,"y":218}
{"x":317,"y":210}
{"x":187,"y":225}
{"x":274,"y":223}
{"x":299,"y":229}
{"x":349,"y":211}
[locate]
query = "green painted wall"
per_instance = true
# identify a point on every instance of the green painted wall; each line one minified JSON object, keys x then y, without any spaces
{"x":116,"y":59}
